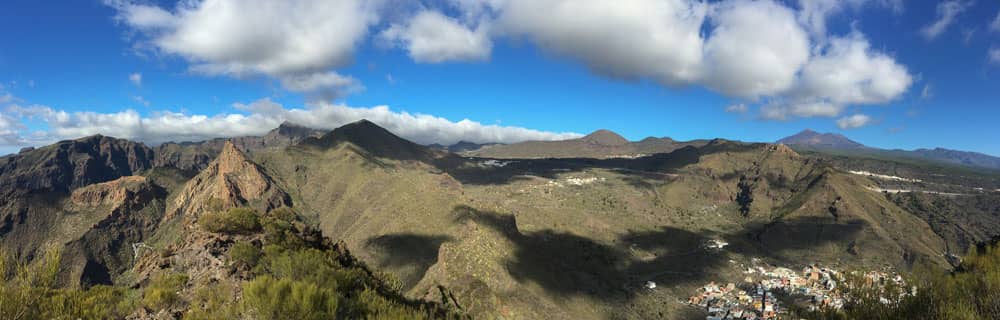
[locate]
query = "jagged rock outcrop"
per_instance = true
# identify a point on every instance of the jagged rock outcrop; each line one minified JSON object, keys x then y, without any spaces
{"x":195,"y":156}
{"x":232,"y":180}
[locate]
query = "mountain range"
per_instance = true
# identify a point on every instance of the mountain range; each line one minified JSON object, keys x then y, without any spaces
{"x":562,"y":229}
{"x":837,"y":143}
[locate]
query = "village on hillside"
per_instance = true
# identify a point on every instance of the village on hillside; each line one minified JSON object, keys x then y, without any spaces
{"x":765,"y":292}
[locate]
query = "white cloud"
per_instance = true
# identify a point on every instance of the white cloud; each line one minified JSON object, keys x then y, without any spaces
{"x":136,"y":79}
{"x":853,"y":121}
{"x":762,"y":51}
{"x":755,"y":49}
{"x":657,"y":39}
{"x":848,"y":71}
{"x":260,"y":117}
{"x":801,"y":109}
{"x":431,"y":37}
{"x":295,"y":39}
{"x":946,"y":12}
{"x":994,"y":55}
{"x":737,"y":108}
{"x":326,"y":86}
{"x":813,"y":13}
{"x":758,"y":51}
{"x":927,"y":92}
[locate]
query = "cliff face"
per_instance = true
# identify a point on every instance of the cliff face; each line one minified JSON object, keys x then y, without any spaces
{"x":71,"y":164}
{"x":231,"y":179}
{"x":130,"y":209}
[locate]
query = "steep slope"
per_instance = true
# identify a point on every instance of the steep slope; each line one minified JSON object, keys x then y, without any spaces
{"x":70,"y":164}
{"x":374,"y":140}
{"x":231,"y":180}
{"x":133,"y":206}
{"x":576,"y":238}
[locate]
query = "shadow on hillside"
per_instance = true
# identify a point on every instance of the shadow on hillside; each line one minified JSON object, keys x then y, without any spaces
{"x":413,"y":251}
{"x":473,"y":171}
{"x":779,"y":239}
{"x":566,"y":264}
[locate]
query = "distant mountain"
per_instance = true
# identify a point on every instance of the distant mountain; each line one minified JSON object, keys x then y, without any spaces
{"x":462,"y":231}
{"x":966,"y":158}
{"x":600,"y":144}
{"x":374,"y":139}
{"x":194,"y":156}
{"x":463,"y":146}
{"x":821,"y":140}
{"x":69,"y":164}
{"x":837,"y":143}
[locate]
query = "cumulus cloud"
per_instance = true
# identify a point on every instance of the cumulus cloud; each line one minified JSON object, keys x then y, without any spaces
{"x":756,"y":49}
{"x":657,"y":39}
{"x":295,"y":41}
{"x":946,"y":12}
{"x":762,"y":52}
{"x":431,"y":37}
{"x":136,"y":79}
{"x":259,"y":117}
{"x":853,"y":121}
{"x":850,"y":72}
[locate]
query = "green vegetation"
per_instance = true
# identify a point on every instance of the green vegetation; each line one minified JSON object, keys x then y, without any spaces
{"x":244,"y":255}
{"x":270,"y":298}
{"x":971,"y":292}
{"x":28,"y":291}
{"x":232,"y":221}
{"x":162,"y":291}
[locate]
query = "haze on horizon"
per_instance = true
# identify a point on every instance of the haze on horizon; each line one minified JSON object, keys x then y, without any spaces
{"x":886,"y":73}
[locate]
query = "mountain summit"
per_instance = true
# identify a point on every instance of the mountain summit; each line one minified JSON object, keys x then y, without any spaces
{"x":374,"y":139}
{"x":605,"y":138}
{"x":232,"y":179}
{"x":821,"y":140}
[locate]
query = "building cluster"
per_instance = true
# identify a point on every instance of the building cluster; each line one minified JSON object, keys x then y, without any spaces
{"x":812,"y":288}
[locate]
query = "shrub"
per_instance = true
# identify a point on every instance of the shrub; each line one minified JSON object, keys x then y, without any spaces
{"x":215,"y":301}
{"x":232,"y":221}
{"x":284,"y":214}
{"x":244,"y":255}
{"x":269,"y":298}
{"x":162,"y":291}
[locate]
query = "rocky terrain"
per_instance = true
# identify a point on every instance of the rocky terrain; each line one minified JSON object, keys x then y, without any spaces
{"x":567,"y":230}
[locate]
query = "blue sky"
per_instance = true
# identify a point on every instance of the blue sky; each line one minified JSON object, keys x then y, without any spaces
{"x":65,"y":70}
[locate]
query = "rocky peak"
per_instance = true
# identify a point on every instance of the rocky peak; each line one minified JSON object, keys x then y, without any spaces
{"x":606,"y":138}
{"x":232,"y":179}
